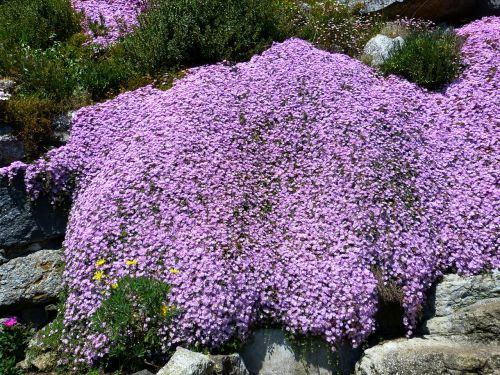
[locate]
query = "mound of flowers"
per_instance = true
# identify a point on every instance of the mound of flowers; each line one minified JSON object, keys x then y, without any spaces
{"x":275,"y":190}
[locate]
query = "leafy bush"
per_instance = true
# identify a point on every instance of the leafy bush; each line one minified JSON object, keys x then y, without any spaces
{"x":36,"y":23}
{"x":130,"y":317}
{"x":32,"y":117}
{"x":193,"y":32}
{"x":13,"y":342}
{"x":337,"y":27}
{"x":428,"y":58}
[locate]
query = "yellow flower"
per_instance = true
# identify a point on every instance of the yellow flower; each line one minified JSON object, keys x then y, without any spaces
{"x":131,"y":262}
{"x":100,"y":262}
{"x":173,"y":271}
{"x":164,"y":310}
{"x":98,"y":275}
{"x":114,"y":285}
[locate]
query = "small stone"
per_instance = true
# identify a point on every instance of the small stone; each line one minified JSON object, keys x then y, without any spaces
{"x":231,"y":364}
{"x":143,"y":372}
{"x":186,"y":362}
{"x":46,"y":361}
{"x":24,"y":365}
{"x":380,"y":47}
{"x":5,"y":86}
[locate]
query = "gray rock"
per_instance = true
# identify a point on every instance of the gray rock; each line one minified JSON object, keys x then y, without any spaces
{"x":5,"y":86}
{"x":186,"y":362}
{"x":143,"y":372}
{"x":231,"y":364}
{"x":5,"y":129}
{"x":429,"y":357}
{"x":489,"y":7}
{"x":268,"y":352}
{"x":11,"y":149}
{"x":462,"y":334}
{"x":455,"y":292}
{"x":380,"y":47}
{"x":437,"y":10}
{"x":45,"y":362}
{"x":23,"y":222}
{"x":479,"y":322}
{"x":62,"y":126}
{"x":31,"y":280}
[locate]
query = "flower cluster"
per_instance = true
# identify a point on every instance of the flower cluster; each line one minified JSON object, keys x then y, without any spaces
{"x":115,"y":17}
{"x":11,"y":322}
{"x":271,"y":189}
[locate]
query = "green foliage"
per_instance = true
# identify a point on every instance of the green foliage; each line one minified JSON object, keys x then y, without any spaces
{"x":192,"y":32}
{"x":428,"y":58}
{"x":337,"y":27}
{"x":130,"y":317}
{"x":13,"y":343}
{"x":36,"y":23}
{"x":32,"y":117}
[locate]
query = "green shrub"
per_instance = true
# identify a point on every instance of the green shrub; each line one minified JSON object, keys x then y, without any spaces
{"x":337,"y":27}
{"x":36,"y":23}
{"x":32,"y":117}
{"x":130,"y":317}
{"x":428,"y":58}
{"x":192,"y":32}
{"x":13,"y":343}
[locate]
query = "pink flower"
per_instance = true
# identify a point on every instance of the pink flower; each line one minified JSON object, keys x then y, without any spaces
{"x":10,"y":322}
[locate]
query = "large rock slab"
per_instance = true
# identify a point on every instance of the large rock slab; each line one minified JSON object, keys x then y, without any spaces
{"x":462,"y":335}
{"x":268,"y":352}
{"x":437,"y":10}
{"x":478,"y":323}
{"x":455,"y":292}
{"x":11,"y":149}
{"x":31,"y":280}
{"x":23,"y":222}
{"x":429,"y":357}
{"x":186,"y":362}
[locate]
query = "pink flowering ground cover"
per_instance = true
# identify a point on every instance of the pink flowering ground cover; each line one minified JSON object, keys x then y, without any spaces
{"x":271,"y":190}
{"x":119,"y":16}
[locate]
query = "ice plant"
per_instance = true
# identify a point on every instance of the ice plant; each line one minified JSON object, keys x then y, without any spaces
{"x":277,"y":186}
{"x":11,"y":322}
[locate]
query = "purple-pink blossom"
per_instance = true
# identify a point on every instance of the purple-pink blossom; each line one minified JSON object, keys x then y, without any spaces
{"x":275,"y":187}
{"x":11,"y":322}
{"x":119,"y":16}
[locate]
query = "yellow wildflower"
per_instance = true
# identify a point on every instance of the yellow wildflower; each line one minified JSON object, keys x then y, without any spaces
{"x":98,"y":275}
{"x":114,"y":285}
{"x":131,"y":262}
{"x":173,"y":271}
{"x":100,"y":262}
{"x":164,"y":310}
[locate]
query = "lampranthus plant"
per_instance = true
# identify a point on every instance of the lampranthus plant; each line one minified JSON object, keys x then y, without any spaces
{"x":13,"y":342}
{"x":274,"y":187}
